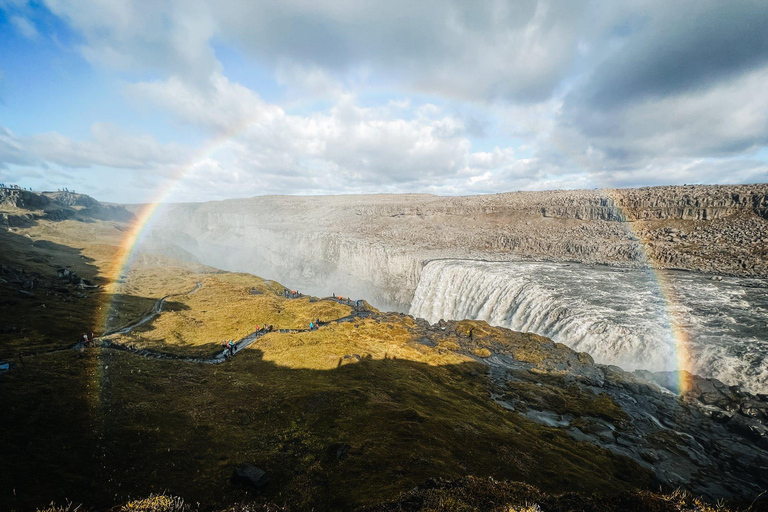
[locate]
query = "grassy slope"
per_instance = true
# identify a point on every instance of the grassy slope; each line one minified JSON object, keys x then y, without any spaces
{"x":102,"y":426}
{"x":224,"y":308}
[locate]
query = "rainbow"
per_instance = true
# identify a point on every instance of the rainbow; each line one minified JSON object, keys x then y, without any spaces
{"x":679,"y":336}
{"x":681,"y":343}
{"x":122,"y":258}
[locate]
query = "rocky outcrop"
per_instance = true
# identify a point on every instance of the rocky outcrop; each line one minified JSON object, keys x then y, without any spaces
{"x":659,"y":203}
{"x":706,"y":437}
{"x":24,"y":207}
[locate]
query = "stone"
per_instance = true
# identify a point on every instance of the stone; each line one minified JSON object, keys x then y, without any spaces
{"x":755,"y":409}
{"x":337,"y":451}
{"x":710,"y":398}
{"x":249,"y":475}
{"x":720,"y":416}
{"x":747,"y":427}
{"x":651,"y":456}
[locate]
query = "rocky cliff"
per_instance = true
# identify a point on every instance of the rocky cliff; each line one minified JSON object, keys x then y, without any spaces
{"x":376,"y":245}
{"x":23,"y":207}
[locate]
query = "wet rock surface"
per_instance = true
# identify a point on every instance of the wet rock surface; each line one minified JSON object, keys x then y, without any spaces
{"x":695,"y":433}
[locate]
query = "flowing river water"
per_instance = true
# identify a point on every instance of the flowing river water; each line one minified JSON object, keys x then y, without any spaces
{"x":619,"y":316}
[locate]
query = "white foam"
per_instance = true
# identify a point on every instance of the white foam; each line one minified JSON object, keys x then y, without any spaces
{"x":618,"y":316}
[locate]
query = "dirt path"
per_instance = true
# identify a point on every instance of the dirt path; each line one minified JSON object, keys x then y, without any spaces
{"x":156,"y":309}
{"x":106,"y":341}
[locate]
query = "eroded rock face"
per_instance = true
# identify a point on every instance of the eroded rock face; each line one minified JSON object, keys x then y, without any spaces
{"x":56,"y":206}
{"x":377,"y":245}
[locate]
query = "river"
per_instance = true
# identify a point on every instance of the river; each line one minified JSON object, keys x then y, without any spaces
{"x":619,"y":316}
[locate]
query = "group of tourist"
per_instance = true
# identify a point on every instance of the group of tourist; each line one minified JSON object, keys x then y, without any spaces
{"x":347,"y":301}
{"x":29,"y":189}
{"x":15,"y":187}
{"x":292,"y":294}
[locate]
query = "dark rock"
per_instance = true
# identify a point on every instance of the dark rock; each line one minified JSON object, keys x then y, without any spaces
{"x":710,"y":398}
{"x":9,"y":328}
{"x":249,"y":475}
{"x":719,"y":416}
{"x":337,"y":451}
{"x":755,"y":409}
{"x":737,"y":392}
{"x":650,"y":456}
{"x":747,"y":427}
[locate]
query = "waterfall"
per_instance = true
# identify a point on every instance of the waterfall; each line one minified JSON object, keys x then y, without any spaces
{"x":546,"y":299}
{"x":618,"y":316}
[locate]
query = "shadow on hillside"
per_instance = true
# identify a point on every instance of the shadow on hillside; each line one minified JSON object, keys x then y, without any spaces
{"x":42,"y":311}
{"x":104,"y":425}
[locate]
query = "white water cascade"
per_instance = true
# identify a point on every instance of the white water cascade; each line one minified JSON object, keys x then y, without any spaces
{"x":616,"y":315}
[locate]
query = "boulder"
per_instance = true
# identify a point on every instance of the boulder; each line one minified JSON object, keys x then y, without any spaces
{"x":719,"y":416}
{"x":747,"y":427}
{"x":249,"y":475}
{"x":755,"y":409}
{"x":337,"y":451}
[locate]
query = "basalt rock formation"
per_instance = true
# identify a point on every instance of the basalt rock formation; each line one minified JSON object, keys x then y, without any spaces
{"x":692,"y":432}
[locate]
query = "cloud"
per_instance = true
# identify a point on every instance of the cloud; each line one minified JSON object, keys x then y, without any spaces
{"x":398,"y":146}
{"x":164,"y":36}
{"x":439,"y":96}
{"x":499,"y":49}
{"x":730,"y":118}
{"x":25,"y":27}
{"x":218,"y":105}
{"x":680,"y":47}
{"x":109,"y":146}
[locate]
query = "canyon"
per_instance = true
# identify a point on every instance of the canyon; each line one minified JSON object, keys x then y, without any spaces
{"x":377,"y":245}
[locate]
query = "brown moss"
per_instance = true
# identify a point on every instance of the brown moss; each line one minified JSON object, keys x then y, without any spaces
{"x":482,"y":352}
{"x":483,"y":494}
{"x":156,"y":503}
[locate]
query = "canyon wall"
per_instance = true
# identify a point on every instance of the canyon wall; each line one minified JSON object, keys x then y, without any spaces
{"x":376,"y":245}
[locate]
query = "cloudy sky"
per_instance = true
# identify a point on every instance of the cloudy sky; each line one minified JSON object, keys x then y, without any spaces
{"x":216,"y":99}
